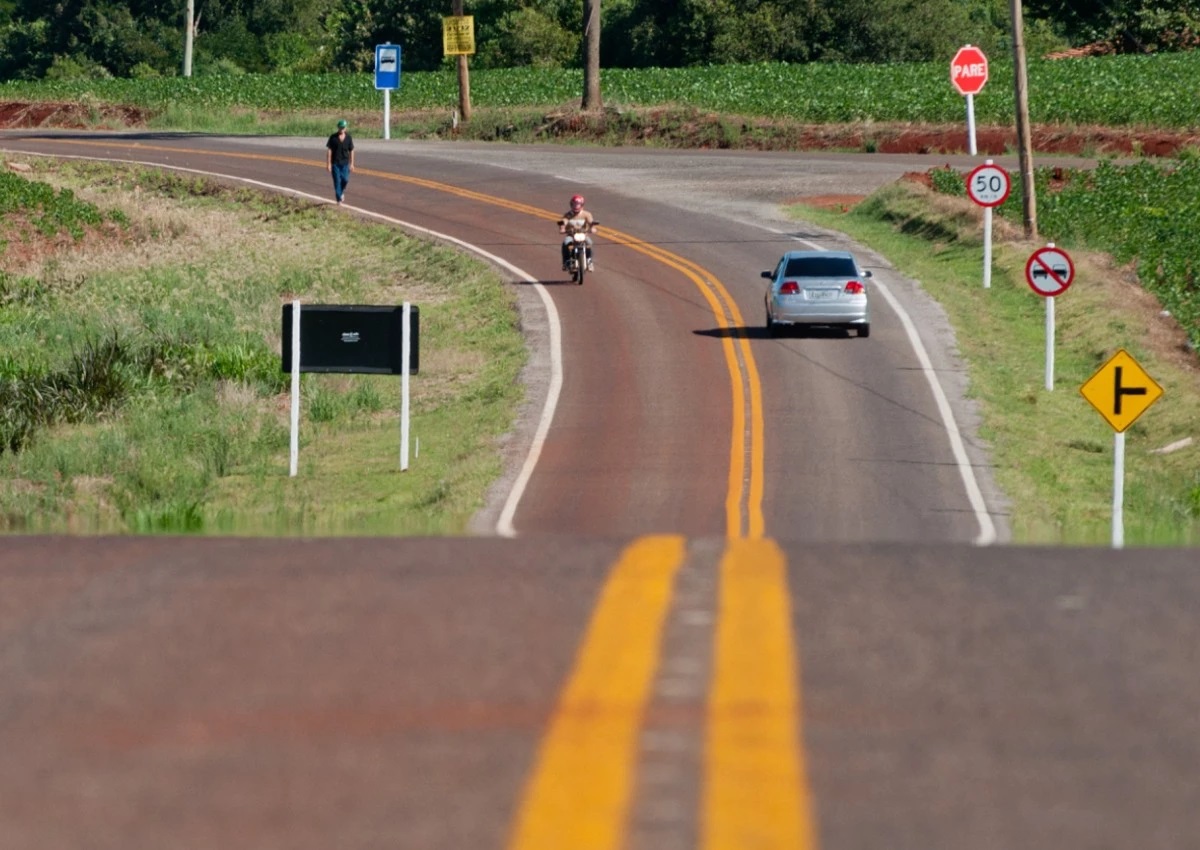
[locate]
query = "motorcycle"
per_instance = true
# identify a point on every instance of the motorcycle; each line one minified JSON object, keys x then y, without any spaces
{"x":577,"y":254}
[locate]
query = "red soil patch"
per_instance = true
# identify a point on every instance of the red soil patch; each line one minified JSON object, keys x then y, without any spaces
{"x":1078,"y":141}
{"x":884,"y":138}
{"x":73,"y":116}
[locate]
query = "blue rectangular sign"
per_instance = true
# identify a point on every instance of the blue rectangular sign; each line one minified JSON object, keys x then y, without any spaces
{"x":387,"y":66}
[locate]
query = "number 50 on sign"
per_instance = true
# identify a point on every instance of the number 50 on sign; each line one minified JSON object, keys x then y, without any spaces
{"x":988,"y":185}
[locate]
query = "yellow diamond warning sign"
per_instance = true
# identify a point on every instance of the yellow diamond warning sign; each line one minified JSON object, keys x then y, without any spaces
{"x":1121,"y":390}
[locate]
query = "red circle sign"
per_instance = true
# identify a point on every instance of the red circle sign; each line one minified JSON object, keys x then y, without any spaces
{"x":969,"y":70}
{"x":988,"y":185}
{"x":1049,"y":271}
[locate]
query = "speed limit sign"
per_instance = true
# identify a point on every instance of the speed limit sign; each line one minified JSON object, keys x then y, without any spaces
{"x":988,"y":185}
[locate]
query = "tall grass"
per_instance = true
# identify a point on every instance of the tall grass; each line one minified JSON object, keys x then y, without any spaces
{"x":151,"y":397}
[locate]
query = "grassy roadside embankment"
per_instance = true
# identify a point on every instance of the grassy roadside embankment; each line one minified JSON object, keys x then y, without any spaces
{"x":141,"y":389}
{"x":1053,"y":452}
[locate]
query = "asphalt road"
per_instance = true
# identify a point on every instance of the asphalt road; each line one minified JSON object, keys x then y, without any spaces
{"x":743,"y":608}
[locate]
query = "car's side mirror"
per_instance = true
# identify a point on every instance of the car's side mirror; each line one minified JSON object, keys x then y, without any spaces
{"x":768,"y":275}
{"x":866,"y":273}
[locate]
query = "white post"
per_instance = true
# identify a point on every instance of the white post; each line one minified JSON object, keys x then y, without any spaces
{"x":971,"y":122}
{"x":387,"y":113}
{"x":1118,"y":512}
{"x":295,"y":442}
{"x":1050,"y":342}
{"x":987,"y":247}
{"x":405,"y":342}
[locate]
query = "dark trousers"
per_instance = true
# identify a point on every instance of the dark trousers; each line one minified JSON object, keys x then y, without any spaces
{"x":341,"y":176}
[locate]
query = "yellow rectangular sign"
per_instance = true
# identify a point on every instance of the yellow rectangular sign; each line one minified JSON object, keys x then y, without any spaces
{"x":458,"y":35}
{"x":1121,"y":390}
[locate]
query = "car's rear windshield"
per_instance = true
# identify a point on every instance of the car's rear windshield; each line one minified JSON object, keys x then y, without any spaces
{"x":820,"y":267}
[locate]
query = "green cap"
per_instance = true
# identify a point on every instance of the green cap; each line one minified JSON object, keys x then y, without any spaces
{"x":342,"y":124}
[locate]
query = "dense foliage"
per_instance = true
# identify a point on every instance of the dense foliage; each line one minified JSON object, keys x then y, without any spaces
{"x":138,"y":38}
{"x":1128,"y":26}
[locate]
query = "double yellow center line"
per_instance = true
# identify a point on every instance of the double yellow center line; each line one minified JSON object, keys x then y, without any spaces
{"x":744,"y":498}
{"x":754,"y":789}
{"x":744,"y":495}
{"x":755,"y":794}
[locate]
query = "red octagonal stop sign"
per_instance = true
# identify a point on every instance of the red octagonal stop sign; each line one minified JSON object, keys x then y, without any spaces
{"x":968,"y":70}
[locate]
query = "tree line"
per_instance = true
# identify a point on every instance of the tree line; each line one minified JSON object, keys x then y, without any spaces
{"x":48,"y":39}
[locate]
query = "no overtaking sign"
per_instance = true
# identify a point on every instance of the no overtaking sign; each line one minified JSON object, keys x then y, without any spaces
{"x":1049,"y":271}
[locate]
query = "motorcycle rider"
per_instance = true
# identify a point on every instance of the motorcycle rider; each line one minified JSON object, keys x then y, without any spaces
{"x":578,"y":219}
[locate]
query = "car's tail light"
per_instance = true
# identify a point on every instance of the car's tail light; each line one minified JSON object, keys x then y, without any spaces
{"x":853,"y":287}
{"x":789,"y":287}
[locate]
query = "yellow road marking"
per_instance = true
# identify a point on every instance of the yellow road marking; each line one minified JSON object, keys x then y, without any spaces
{"x":743,"y":370}
{"x":755,"y":789}
{"x":745,"y":385}
{"x":579,"y":793}
{"x":756,"y":792}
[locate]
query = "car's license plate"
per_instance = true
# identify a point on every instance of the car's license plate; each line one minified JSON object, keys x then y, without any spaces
{"x":821,"y":294}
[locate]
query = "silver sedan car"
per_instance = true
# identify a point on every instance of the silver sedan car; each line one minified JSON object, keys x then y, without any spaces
{"x":818,"y":288}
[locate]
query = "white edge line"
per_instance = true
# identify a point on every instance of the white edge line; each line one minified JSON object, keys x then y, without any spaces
{"x":504,"y":526}
{"x":987,"y":528}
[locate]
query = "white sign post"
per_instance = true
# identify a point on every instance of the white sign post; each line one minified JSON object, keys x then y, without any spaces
{"x":387,"y":77}
{"x":294,"y":452}
{"x":1121,"y":391}
{"x":405,"y":342}
{"x":968,"y":73}
{"x":351,"y":338}
{"x":1049,"y":272}
{"x":988,"y":185}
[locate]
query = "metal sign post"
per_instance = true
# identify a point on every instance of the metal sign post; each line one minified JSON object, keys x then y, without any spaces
{"x":405,"y":360}
{"x":968,"y":74}
{"x":988,"y":185}
{"x":294,"y":453}
{"x":1121,"y":391}
{"x":387,"y":77}
{"x":1049,"y":272}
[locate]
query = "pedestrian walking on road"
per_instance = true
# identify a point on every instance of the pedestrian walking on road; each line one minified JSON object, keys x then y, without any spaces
{"x":339,"y":159}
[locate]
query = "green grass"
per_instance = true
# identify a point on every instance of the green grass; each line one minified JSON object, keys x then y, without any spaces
{"x":1052,"y":451}
{"x":164,"y":349}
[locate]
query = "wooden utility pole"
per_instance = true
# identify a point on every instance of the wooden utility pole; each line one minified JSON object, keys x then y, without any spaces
{"x":1024,"y":141}
{"x":464,"y":73}
{"x":591,"y":65}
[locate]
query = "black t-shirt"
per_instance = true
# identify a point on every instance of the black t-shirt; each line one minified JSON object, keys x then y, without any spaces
{"x":341,"y":148}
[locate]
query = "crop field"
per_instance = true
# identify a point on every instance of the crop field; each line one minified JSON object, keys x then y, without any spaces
{"x":1151,"y":91}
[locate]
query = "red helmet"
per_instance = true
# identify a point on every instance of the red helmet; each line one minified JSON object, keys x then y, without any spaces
{"x":577,"y":200}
